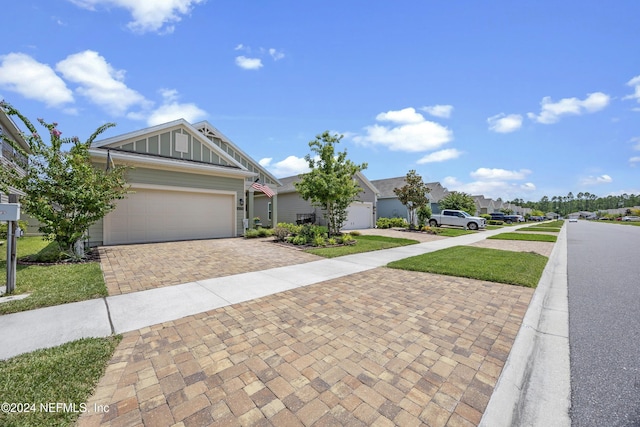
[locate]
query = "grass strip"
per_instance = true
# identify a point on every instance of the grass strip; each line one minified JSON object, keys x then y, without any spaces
{"x":493,"y":265}
{"x":452,"y":232}
{"x":52,"y":284}
{"x":65,"y":374}
{"x":525,"y":236}
{"x":363,"y":244}
{"x":545,"y":229}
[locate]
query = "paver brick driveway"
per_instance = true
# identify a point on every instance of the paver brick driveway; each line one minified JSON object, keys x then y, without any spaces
{"x":131,"y":268}
{"x":382,"y":347}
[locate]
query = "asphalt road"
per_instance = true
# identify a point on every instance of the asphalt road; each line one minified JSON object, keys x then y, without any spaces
{"x":604,"y":323}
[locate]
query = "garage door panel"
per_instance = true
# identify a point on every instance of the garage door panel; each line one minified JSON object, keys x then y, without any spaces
{"x":161,"y":215}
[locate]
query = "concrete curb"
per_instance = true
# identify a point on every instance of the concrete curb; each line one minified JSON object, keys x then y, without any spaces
{"x":534,"y":388}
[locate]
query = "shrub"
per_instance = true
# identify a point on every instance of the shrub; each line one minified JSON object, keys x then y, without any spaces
{"x":318,"y":241}
{"x":251,"y":233}
{"x":355,"y":233}
{"x":310,"y":231}
{"x":391,"y":222}
{"x":299,"y":240}
{"x":332,"y":241}
{"x":495,"y":222}
{"x":424,"y":213}
{"x":487,"y":217}
{"x":348,"y":239}
{"x":280,"y":233}
{"x":264,"y":232}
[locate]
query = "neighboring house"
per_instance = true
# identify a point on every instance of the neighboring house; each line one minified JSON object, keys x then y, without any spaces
{"x":189,"y":181}
{"x":291,"y":208}
{"x":12,"y":158}
{"x":483,"y":205}
{"x":390,"y":207}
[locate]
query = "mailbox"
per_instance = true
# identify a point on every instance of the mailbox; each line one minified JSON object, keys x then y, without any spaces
{"x":9,"y":211}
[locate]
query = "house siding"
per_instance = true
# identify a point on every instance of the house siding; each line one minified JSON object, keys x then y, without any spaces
{"x":140,"y":175}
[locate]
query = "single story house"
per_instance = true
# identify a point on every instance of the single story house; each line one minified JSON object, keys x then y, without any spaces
{"x":188,"y":181}
{"x":291,"y":208}
{"x":390,"y":207}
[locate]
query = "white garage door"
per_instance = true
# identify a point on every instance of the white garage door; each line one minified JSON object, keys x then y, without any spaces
{"x":161,"y":215}
{"x":359,"y":215}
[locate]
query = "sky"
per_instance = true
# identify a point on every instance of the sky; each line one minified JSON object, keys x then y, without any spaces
{"x":500,"y":98}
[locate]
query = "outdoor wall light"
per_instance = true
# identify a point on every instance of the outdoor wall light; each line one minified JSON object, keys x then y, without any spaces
{"x":241,"y":202}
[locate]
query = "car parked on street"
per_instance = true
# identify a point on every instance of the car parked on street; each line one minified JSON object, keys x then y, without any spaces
{"x":631,"y":218}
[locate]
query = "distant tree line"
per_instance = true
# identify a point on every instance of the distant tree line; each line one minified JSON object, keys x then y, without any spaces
{"x":565,"y":205}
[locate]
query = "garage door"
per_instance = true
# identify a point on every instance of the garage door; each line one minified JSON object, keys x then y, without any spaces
{"x":161,"y":215}
{"x":359,"y":215}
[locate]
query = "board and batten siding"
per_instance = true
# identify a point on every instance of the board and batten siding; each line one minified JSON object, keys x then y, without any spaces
{"x":140,"y":175}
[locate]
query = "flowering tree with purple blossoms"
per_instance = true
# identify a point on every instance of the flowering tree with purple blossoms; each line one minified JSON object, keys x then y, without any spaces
{"x":64,"y":191}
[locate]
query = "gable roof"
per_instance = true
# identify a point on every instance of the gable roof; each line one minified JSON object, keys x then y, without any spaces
{"x":387,"y":185}
{"x":204,"y":133}
{"x":288,"y":183}
{"x":208,"y":130}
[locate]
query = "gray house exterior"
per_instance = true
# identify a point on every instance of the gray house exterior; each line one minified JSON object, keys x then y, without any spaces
{"x":390,"y":207}
{"x":187,"y":181}
{"x":292,"y":208}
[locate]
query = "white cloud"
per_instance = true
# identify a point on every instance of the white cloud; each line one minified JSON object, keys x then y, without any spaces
{"x":440,"y":156}
{"x":593,"y":180}
{"x":443,"y":111}
{"x":24,"y":75}
{"x":248,"y":63}
{"x":493,"y":183}
{"x":239,"y":47}
{"x":290,"y":166}
{"x":411,"y":133}
{"x":493,"y":189}
{"x":404,"y":116}
{"x":171,"y":110}
{"x":148,"y":16}
{"x":634,"y":160}
{"x":634,"y":83}
{"x":275,"y":54}
{"x":502,"y":123}
{"x":100,"y":82}
{"x":636,"y":142}
{"x":552,"y":111}
{"x":499,"y":174}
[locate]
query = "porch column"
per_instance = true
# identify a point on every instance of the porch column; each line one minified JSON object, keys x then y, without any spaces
{"x":250,"y":213}
{"x":274,"y":211}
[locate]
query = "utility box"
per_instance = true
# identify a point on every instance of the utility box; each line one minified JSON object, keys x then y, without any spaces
{"x":9,"y":211}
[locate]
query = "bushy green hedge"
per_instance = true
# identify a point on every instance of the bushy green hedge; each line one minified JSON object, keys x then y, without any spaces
{"x":308,"y":234}
{"x":258,"y":232}
{"x":391,"y":222}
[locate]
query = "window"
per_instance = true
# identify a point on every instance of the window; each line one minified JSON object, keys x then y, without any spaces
{"x":269,"y":210}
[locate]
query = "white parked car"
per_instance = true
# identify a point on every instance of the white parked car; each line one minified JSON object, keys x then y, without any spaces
{"x":573,"y":219}
{"x":631,"y":218}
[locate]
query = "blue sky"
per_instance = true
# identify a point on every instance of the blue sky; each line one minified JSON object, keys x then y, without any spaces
{"x":501,"y":98}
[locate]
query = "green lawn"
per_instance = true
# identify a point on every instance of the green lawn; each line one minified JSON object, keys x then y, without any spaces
{"x":552,"y":224}
{"x":50,"y":284}
{"x":64,"y":374}
{"x":525,"y":236}
{"x":515,"y":268}
{"x":545,"y":229}
{"x":452,"y":232}
{"x":363,"y":244}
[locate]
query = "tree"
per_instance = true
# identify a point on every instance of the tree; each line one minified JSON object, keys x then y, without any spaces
{"x":459,"y":201}
{"x":413,"y":195}
{"x":64,"y":191}
{"x":330,"y":184}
